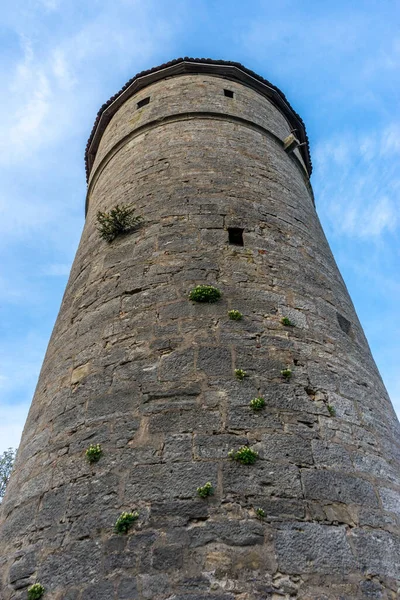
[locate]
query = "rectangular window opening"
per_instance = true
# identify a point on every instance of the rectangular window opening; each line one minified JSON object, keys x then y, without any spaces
{"x":228,"y":93}
{"x":344,"y":323}
{"x":143,"y":102}
{"x":236,"y":236}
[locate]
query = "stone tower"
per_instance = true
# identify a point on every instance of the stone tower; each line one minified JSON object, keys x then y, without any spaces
{"x":216,"y":162}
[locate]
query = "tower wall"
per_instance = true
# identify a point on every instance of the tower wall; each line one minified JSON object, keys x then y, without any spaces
{"x":135,"y":366}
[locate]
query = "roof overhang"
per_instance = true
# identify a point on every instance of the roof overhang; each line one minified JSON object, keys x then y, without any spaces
{"x":228,"y":70}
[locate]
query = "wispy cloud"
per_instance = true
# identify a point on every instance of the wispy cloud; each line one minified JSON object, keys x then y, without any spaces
{"x":357,"y":181}
{"x":49,"y":4}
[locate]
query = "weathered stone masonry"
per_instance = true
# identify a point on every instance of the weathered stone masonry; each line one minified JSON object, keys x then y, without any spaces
{"x":132,"y":364}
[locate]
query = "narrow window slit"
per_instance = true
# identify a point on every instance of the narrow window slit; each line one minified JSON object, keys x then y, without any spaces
{"x":143,"y":102}
{"x":236,"y":236}
{"x":228,"y":93}
{"x":344,"y":324}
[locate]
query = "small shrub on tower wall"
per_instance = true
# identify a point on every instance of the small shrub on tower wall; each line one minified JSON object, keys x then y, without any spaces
{"x":244,"y":455}
{"x":205,"y":293}
{"x":119,"y":220}
{"x":331,"y":410}
{"x":286,"y":373}
{"x":235,"y":315}
{"x":257,"y":403}
{"x":94,"y":453}
{"x":205,"y":490}
{"x":286,"y":321}
{"x":125,"y":521}
{"x":240,"y":374}
{"x":35,"y":592}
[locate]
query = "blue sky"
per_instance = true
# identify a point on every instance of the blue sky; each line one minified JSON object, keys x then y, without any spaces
{"x":337,"y":62}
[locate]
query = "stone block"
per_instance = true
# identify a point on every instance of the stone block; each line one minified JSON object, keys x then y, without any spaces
{"x":166,"y":558}
{"x":331,"y":455}
{"x":178,"y":447}
{"x":153,"y":586}
{"x":233,"y":533}
{"x":178,"y":512}
{"x":52,"y":507}
{"x":127,"y":589}
{"x":378,"y":552}
{"x":390,"y":500}
{"x":313,"y":548}
{"x":215,"y":446}
{"x":281,"y":447}
{"x":376,"y":466}
{"x":177,"y":480}
{"x":182,"y":309}
{"x":336,"y":487}
{"x":369,"y":517}
{"x":177,"y":366}
{"x":214,"y":361}
{"x":99,"y":591}
{"x":23,"y":567}
{"x":183,"y":421}
{"x":78,"y":561}
{"x":262,"y":478}
{"x":245,"y":419}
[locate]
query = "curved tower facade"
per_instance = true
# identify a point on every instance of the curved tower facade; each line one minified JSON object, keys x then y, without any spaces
{"x":216,"y":162}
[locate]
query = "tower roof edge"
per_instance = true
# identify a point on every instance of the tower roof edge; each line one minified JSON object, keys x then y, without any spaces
{"x":230,"y":70}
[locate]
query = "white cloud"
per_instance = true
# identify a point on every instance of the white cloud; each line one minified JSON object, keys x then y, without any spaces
{"x":49,"y":5}
{"x":357,"y":183}
{"x":47,"y":87}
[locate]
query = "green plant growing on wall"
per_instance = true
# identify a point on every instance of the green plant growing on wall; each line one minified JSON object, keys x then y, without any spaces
{"x":286,"y":321}
{"x":35,"y":592}
{"x":119,"y":220}
{"x":257,"y":403}
{"x":331,"y":410}
{"x":244,"y":455}
{"x":205,"y":490}
{"x":205,"y":293}
{"x":125,"y":521}
{"x":235,"y":315}
{"x":286,"y":373}
{"x":94,"y":453}
{"x":260,"y":513}
{"x":240,"y":374}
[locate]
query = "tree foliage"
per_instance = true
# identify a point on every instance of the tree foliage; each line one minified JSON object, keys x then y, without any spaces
{"x":6,"y":463}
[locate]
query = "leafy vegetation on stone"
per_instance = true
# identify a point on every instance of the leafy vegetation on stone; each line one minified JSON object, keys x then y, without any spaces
{"x":240,"y":374}
{"x":286,"y":373}
{"x":205,"y":293}
{"x":257,"y":403}
{"x":205,"y":490}
{"x":235,"y":315}
{"x":244,"y":455}
{"x":94,"y":453}
{"x":286,"y":321}
{"x":119,"y":220}
{"x":331,"y":410}
{"x":125,"y":521}
{"x":35,"y":592}
{"x":6,"y":464}
{"x":260,"y":513}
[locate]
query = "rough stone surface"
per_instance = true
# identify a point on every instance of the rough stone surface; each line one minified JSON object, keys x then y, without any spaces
{"x":132,"y":364}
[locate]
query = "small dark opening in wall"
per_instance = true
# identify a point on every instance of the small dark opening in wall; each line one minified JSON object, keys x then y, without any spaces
{"x":344,"y":324}
{"x":143,"y":102}
{"x":235,"y":236}
{"x":228,"y":93}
